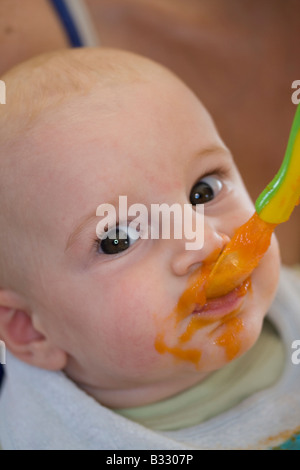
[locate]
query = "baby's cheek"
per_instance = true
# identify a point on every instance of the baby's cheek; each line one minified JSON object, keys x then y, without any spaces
{"x":132,"y":351}
{"x":133,"y":325}
{"x":267,"y":274}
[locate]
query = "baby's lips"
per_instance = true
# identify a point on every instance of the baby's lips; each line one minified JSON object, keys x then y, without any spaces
{"x":226,"y":304}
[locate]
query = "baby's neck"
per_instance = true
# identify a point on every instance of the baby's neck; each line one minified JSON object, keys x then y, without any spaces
{"x":142,"y":394}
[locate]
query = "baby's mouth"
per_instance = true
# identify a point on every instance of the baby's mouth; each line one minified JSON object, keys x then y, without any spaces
{"x":219,"y":307}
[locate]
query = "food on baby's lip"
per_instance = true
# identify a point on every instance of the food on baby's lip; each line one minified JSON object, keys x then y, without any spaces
{"x":251,"y":241}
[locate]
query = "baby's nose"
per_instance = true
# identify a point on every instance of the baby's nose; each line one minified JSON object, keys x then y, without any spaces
{"x":186,"y":261}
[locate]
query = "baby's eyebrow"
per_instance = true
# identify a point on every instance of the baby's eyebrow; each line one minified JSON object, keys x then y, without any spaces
{"x":213,"y":149}
{"x":86,"y":221}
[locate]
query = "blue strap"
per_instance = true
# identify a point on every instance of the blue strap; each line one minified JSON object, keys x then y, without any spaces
{"x":1,"y":374}
{"x":68,"y":22}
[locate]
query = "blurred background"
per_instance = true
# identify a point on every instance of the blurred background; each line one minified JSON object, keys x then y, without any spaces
{"x":240,"y":58}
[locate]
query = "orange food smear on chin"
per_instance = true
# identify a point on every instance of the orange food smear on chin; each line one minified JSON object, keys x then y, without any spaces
{"x":215,"y":279}
{"x":230,"y":340}
{"x":198,"y":321}
{"x":192,"y":296}
{"x":192,"y":355}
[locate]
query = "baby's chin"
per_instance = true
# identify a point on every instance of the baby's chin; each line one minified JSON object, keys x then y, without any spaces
{"x":231,"y":338}
{"x":234,"y":336}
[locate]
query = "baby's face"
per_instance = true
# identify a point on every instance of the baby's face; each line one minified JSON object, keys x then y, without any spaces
{"x":105,"y":306}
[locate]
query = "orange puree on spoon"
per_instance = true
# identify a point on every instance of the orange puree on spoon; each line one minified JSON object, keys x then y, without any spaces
{"x":240,"y":257}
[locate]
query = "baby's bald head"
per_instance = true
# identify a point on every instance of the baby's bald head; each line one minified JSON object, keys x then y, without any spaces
{"x":36,"y":91}
{"x":47,"y":81}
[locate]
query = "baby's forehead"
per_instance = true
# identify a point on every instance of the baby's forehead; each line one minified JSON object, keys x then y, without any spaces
{"x":32,"y":89}
{"x":51,"y":81}
{"x":61,"y":136}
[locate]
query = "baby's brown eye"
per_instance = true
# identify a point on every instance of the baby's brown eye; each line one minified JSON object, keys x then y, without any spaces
{"x":205,"y":190}
{"x":119,"y":240}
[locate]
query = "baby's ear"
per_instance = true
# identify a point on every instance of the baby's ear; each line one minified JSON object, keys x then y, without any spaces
{"x":22,"y":338}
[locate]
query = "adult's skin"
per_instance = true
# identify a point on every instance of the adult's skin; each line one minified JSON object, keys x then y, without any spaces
{"x":239,"y":57}
{"x":27,"y":28}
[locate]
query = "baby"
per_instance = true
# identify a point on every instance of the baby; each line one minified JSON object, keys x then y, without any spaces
{"x":88,"y":320}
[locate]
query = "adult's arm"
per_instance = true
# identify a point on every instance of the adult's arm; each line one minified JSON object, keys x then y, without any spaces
{"x":28,"y":28}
